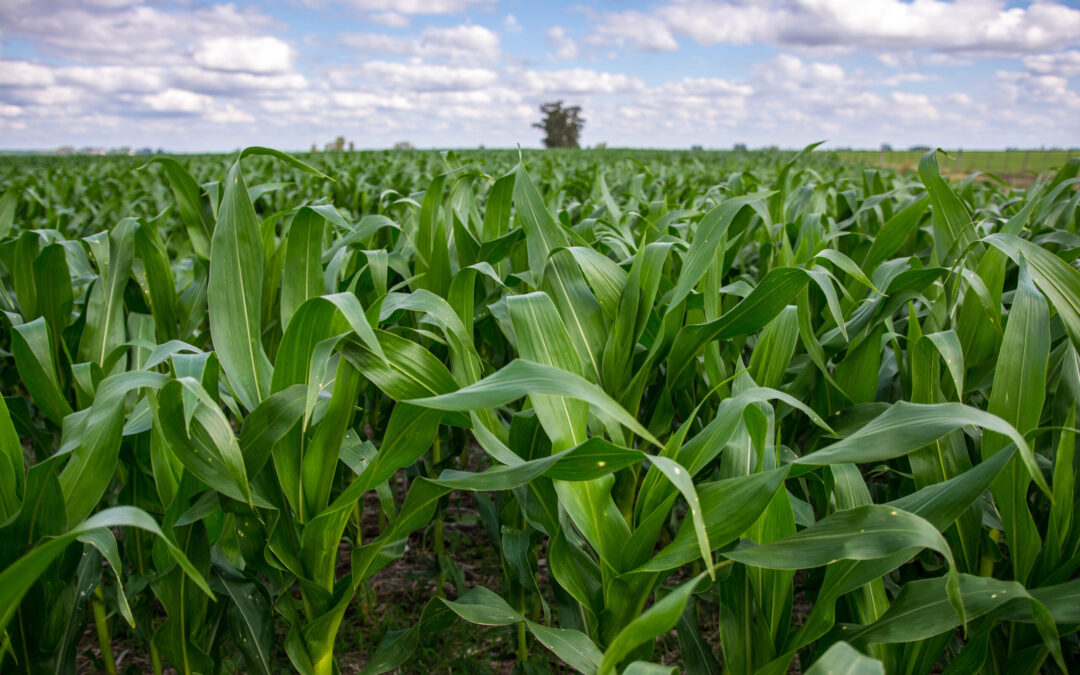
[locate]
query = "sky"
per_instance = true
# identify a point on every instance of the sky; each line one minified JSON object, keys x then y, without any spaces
{"x":200,"y":75}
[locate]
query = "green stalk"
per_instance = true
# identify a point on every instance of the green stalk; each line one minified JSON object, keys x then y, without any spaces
{"x":155,"y":658}
{"x":436,"y":458}
{"x":522,"y":644}
{"x":104,"y":641}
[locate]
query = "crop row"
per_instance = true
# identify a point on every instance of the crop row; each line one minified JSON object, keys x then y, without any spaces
{"x":790,"y":409}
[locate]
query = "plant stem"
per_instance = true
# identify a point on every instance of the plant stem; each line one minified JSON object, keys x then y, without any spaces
{"x":522,"y":645}
{"x":104,"y":641}
{"x":155,"y":658}
{"x":436,"y":458}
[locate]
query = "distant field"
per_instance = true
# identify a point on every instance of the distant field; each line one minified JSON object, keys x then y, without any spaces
{"x":236,"y":356}
{"x":1009,"y":162}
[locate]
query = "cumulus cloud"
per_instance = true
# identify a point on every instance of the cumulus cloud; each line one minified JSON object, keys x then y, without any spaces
{"x":580,"y":81}
{"x":428,"y":77}
{"x":464,"y":43}
{"x":417,"y":6}
{"x":989,"y":26}
{"x":1065,"y":64}
{"x":914,"y":106}
{"x":564,"y":45}
{"x":793,"y":72}
{"x":111,"y":79}
{"x":235,"y":83}
{"x":392,"y":19}
{"x":263,"y":54}
{"x":120,"y":33}
{"x":25,"y":74}
{"x":178,"y":101}
{"x":634,"y":29}
{"x":128,"y":66}
{"x":1051,"y":93}
{"x":378,"y":43}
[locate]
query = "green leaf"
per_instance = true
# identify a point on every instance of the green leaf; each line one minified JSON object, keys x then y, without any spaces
{"x":16,"y":579}
{"x":1017,"y":397}
{"x":1059,"y":282}
{"x":658,"y":619}
{"x":952,"y":223}
{"x":905,"y":427}
{"x":542,"y":233}
{"x":524,"y":378}
{"x":729,"y":508}
{"x":234,"y":295}
{"x":250,"y":620}
{"x":31,"y":345}
{"x":303,"y":275}
{"x":105,"y":326}
{"x":284,"y":157}
{"x":195,"y":212}
{"x":843,"y":659}
{"x":865,"y":533}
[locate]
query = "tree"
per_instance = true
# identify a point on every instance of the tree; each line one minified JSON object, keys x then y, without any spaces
{"x":561,"y":126}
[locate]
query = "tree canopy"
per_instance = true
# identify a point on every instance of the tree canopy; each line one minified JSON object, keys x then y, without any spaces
{"x":561,"y":126}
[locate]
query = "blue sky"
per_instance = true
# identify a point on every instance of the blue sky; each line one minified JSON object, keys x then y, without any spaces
{"x":193,"y":75}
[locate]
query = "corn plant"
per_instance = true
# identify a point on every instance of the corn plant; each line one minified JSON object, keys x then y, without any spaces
{"x":766,"y":407}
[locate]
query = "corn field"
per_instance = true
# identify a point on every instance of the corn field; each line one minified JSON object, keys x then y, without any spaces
{"x":774,"y":411}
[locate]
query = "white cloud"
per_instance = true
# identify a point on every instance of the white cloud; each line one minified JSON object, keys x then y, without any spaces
{"x":1050,"y":93}
{"x":579,"y":81}
{"x":392,"y":19}
{"x":429,"y":77}
{"x":634,"y":29}
{"x":178,"y":101}
{"x":707,"y":87}
{"x":366,"y":99}
{"x":916,"y":107}
{"x":1066,"y":64}
{"x":126,"y":33}
{"x":378,"y":43}
{"x":230,"y":115}
{"x":235,"y":83}
{"x":245,"y":54}
{"x":565,"y":47}
{"x":24,"y":74}
{"x":511,"y":25}
{"x":114,"y":78}
{"x":890,"y":60}
{"x":459,"y":44}
{"x":979,"y":26}
{"x":417,"y":6}
{"x":793,"y":72}
{"x":47,"y":96}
